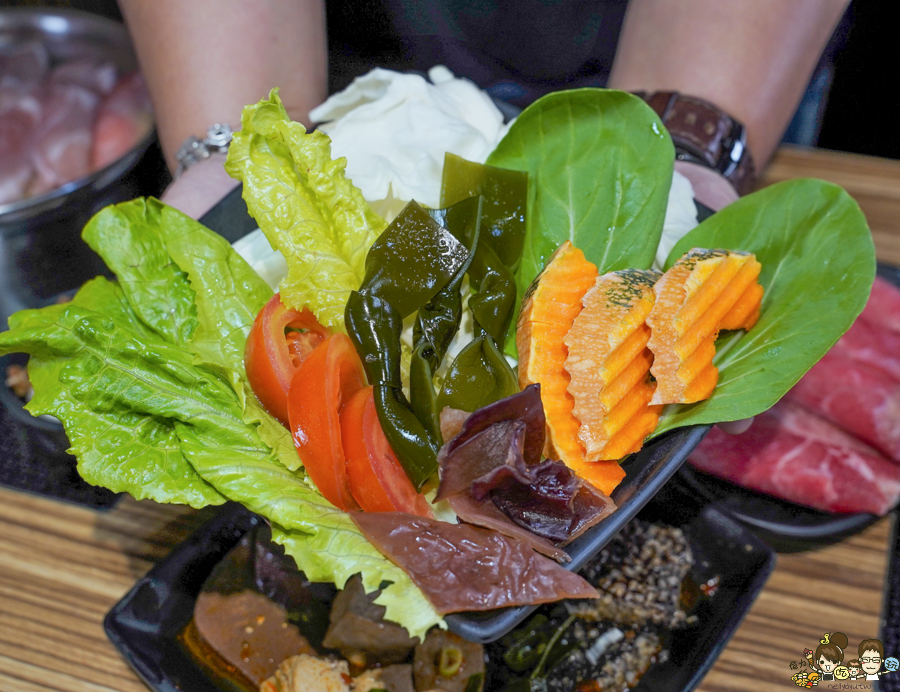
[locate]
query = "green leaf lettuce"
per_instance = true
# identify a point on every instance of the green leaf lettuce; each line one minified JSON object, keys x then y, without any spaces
{"x":306,"y":206}
{"x":147,"y":377}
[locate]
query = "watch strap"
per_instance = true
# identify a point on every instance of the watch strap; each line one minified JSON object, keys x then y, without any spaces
{"x":704,"y":134}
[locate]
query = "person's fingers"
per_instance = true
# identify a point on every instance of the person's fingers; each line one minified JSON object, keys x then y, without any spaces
{"x":198,"y":189}
{"x":736,"y":427}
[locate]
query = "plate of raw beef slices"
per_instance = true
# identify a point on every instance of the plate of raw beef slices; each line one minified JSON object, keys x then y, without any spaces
{"x":824,"y":462}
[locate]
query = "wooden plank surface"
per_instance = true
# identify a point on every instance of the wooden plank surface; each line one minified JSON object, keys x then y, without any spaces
{"x":63,"y":567}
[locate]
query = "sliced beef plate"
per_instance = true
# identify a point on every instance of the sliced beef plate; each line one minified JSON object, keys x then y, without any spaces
{"x":883,"y":308}
{"x":856,"y":397}
{"x":793,"y":454}
{"x":872,"y":345}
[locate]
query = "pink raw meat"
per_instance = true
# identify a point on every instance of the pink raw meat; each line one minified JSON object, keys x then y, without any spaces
{"x":99,"y":77}
{"x":23,"y":65}
{"x":793,"y":454}
{"x":19,"y":116}
{"x":856,"y":397}
{"x":125,"y":117}
{"x":64,"y":137}
{"x":883,"y":308}
{"x":871,"y":345}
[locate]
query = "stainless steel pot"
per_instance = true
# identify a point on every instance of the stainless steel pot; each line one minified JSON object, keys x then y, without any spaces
{"x":42,"y":254}
{"x":41,"y":251}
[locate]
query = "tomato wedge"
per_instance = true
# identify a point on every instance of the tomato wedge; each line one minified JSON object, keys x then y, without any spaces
{"x":329,"y":376}
{"x":377,"y":480}
{"x":272,"y":354}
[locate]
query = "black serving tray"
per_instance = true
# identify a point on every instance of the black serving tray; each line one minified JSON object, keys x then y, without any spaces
{"x":646,"y":472}
{"x":786,"y":526}
{"x":145,"y":625}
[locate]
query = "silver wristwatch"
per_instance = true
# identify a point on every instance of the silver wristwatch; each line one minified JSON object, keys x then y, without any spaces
{"x":194,"y":150}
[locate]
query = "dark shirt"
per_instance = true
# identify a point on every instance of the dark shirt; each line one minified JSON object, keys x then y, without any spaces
{"x":516,"y":49}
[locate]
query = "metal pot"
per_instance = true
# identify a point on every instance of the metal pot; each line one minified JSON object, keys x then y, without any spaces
{"x":41,"y":251}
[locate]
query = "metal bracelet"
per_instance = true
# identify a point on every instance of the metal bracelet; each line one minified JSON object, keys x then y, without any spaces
{"x":194,"y":150}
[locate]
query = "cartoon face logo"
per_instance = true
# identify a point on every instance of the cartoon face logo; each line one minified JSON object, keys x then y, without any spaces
{"x":826,"y":665}
{"x":891,"y":664}
{"x":870,"y":662}
{"x":841,"y":673}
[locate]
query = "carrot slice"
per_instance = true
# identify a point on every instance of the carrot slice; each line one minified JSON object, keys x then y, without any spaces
{"x":550,"y":307}
{"x":704,"y":292}
{"x":609,"y":365}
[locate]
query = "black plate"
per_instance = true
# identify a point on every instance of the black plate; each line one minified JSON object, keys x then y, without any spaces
{"x":786,"y":526}
{"x":647,"y":471}
{"x":144,"y":626}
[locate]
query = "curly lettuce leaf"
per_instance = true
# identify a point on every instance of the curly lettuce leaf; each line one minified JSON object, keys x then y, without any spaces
{"x":306,"y":206}
{"x":84,"y":379}
{"x":185,"y":281}
{"x":127,"y":237}
{"x":150,"y":414}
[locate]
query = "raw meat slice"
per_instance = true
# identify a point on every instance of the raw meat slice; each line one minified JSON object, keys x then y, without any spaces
{"x":793,"y":454}
{"x":63,"y":138}
{"x":883,"y":309}
{"x":19,"y":117}
{"x":871,"y":345}
{"x":855,"y":397}
{"x":125,"y":116}
{"x":99,"y":77}
{"x":23,"y":65}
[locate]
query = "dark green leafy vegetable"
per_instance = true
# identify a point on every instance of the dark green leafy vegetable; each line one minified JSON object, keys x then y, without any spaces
{"x":506,"y":195}
{"x":479,"y":376}
{"x":412,"y":260}
{"x":438,"y":321}
{"x":600,"y":167}
{"x":406,"y":268}
{"x":375,"y":325}
{"x":818,"y":265}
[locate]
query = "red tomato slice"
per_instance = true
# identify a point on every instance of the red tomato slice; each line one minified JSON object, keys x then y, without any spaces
{"x":377,"y":480}
{"x":329,"y":376}
{"x":272,"y":355}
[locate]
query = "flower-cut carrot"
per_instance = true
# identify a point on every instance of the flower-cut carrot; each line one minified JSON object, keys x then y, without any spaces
{"x":704,"y":292}
{"x":548,"y":310}
{"x":609,"y":365}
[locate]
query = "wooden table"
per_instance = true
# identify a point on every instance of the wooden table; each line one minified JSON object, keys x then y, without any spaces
{"x":63,"y":567}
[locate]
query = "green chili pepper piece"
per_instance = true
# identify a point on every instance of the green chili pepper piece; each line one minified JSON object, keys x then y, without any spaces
{"x":475,"y":683}
{"x":406,"y":435}
{"x":412,"y":260}
{"x":374,"y":327}
{"x":479,"y":376}
{"x":421,"y":393}
{"x":506,"y":196}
